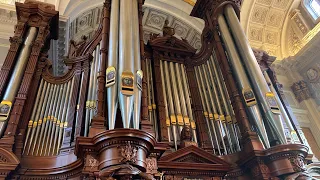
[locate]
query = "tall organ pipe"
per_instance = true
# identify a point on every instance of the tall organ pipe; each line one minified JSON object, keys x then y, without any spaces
{"x":281,"y":106}
{"x":188,"y":101}
{"x":213,"y":116}
{"x":112,"y":90}
{"x":259,"y":83}
{"x":242,"y":79}
{"x":126,"y":63}
{"x":137,"y":65}
{"x":206,"y":110}
{"x":89,"y":97}
{"x":164,"y":88}
{"x":149,"y":92}
{"x":97,"y":59}
{"x":153,"y":103}
{"x":171,"y":108}
{"x":16,"y":77}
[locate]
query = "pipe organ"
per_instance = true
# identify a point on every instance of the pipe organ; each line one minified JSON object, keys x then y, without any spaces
{"x":129,"y":110}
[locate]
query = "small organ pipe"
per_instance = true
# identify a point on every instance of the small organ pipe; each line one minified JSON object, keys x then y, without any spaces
{"x":16,"y":77}
{"x":249,"y":61}
{"x":171,"y":108}
{"x":45,"y":119}
{"x":212,"y":116}
{"x":243,"y":81}
{"x":164,"y":88}
{"x":188,"y":101}
{"x":40,"y":117}
{"x":181,"y":95}
{"x":154,"y":115}
{"x":137,"y":66}
{"x":205,"y":113}
{"x":126,"y":63}
{"x":33,"y":116}
{"x":36,"y":118}
{"x":176,"y":96}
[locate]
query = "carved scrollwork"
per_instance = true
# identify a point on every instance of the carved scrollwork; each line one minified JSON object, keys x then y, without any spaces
{"x":128,"y":153}
{"x":297,"y":163}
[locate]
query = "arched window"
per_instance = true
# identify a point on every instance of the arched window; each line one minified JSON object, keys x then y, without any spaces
{"x":313,"y":8}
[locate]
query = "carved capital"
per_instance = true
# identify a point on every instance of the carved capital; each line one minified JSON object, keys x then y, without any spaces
{"x":301,"y":91}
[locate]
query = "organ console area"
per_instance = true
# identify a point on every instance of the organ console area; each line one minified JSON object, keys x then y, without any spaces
{"x":129,"y":110}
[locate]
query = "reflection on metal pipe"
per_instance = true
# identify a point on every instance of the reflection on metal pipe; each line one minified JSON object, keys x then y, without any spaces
{"x":153,"y":102}
{"x":206,"y":109}
{"x":15,"y":78}
{"x":173,"y":118}
{"x":242,"y":81}
{"x":259,"y":84}
{"x":111,"y":80}
{"x":126,"y":63}
{"x":164,"y":88}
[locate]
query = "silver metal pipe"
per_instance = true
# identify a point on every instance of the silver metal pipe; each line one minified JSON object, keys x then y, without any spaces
{"x":112,"y":90}
{"x":126,"y":63}
{"x":213,"y":116}
{"x":281,"y":106}
{"x":149,"y":92}
{"x":164,"y":88}
{"x":188,"y":101}
{"x":94,"y":87}
{"x":224,"y":103}
{"x":173,"y":118}
{"x":78,"y":101}
{"x":45,"y":119}
{"x":154,"y":107}
{"x":59,"y":119}
{"x":260,"y":85}
{"x":243,"y":81}
{"x":182,"y":99}
{"x":50,"y":118}
{"x":89,"y":99}
{"x":36,"y":119}
{"x":137,"y":66}
{"x":16,"y":77}
{"x":176,"y":101}
{"x":206,"y":108}
{"x":35,"y":106}
{"x":40,"y":124}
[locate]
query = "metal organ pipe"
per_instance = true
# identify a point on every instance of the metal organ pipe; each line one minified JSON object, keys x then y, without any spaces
{"x":243,"y":81}
{"x":188,"y":102}
{"x":171,"y":108}
{"x":206,"y":109}
{"x":137,"y":66}
{"x":16,"y":77}
{"x":281,"y":106}
{"x":256,"y":76}
{"x":164,"y":88}
{"x":153,"y":103}
{"x":111,"y":75}
{"x":89,"y":97}
{"x":126,"y":63}
{"x":224,"y":94}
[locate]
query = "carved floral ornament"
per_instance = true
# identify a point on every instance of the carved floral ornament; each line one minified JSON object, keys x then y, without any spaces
{"x":301,"y":91}
{"x":128,"y":153}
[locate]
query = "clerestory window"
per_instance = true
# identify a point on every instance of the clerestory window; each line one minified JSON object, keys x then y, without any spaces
{"x":313,"y":8}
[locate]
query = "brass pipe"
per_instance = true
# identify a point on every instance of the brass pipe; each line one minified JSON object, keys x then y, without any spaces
{"x":16,"y":77}
{"x":35,"y":106}
{"x":40,"y":124}
{"x":111,"y":74}
{"x":36,"y":119}
{"x":173,"y":118}
{"x":164,"y":88}
{"x":49,"y":122}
